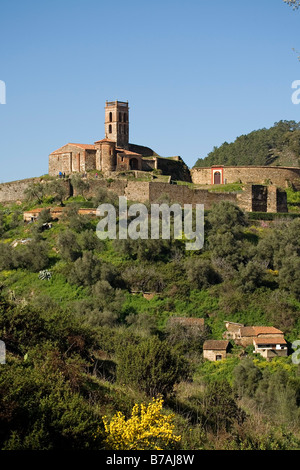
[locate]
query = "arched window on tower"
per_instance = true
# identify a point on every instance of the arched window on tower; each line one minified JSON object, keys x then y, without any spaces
{"x":125,"y":117}
{"x":109,"y":129}
{"x":110,"y":117}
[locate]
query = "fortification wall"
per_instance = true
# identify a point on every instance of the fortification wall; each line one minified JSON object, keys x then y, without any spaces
{"x":186,"y":195}
{"x":257,"y":198}
{"x":201,"y":175}
{"x":133,"y":190}
{"x":14,"y":191}
{"x":116,"y":186}
{"x":278,"y":176}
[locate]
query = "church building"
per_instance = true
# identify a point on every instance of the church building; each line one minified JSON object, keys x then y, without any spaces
{"x":113,"y":153}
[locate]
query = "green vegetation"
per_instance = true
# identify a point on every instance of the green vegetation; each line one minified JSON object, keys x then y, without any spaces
{"x":83,"y":342}
{"x":279,"y":145}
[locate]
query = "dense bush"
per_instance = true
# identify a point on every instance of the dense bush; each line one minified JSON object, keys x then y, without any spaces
{"x":151,"y":366}
{"x":260,"y":147}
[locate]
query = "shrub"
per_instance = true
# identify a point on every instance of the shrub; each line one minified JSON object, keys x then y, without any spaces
{"x":200,"y":273}
{"x":151,"y":366}
{"x":68,"y":246}
{"x":86,"y":270}
{"x":148,"y":428}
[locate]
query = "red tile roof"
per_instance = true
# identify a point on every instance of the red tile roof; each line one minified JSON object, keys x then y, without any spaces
{"x":215,"y":344}
{"x":266,"y":330}
{"x":270,"y":340}
{"x":259,"y":330}
{"x":85,"y":146}
{"x":105,"y":140}
{"x":82,"y":146}
{"x":127,"y":152}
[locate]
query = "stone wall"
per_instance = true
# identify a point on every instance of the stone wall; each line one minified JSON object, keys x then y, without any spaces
{"x":278,"y":176}
{"x":256,"y":198}
{"x":14,"y":191}
{"x":211,"y":354}
{"x":72,"y":159}
{"x":186,"y":195}
{"x":201,"y":175}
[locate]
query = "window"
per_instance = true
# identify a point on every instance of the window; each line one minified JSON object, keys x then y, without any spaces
{"x":109,"y":129}
{"x":218,"y":357}
{"x":110,"y":117}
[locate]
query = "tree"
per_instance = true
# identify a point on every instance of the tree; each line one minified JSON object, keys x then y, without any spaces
{"x":77,"y":222}
{"x":151,"y":366}
{"x":86,"y":270}
{"x":6,"y":256}
{"x":58,"y":189}
{"x":289,"y":275}
{"x":80,"y":185}
{"x":89,"y":241}
{"x":68,"y":246}
{"x":278,"y":397}
{"x":250,"y":276}
{"x":148,"y":428}
{"x":225,"y":217}
{"x":33,"y":256}
{"x":246,"y":378}
{"x":200,"y":273}
{"x":220,"y":408}
{"x":35,"y":191}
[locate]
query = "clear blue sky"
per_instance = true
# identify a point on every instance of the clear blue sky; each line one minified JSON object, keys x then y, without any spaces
{"x":196,"y":73}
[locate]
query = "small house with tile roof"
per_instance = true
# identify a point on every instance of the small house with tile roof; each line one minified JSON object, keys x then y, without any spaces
{"x":249,"y":333}
{"x":215,"y":350}
{"x":270,"y":346}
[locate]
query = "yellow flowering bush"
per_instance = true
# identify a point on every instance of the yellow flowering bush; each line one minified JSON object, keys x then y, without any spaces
{"x":147,"y":429}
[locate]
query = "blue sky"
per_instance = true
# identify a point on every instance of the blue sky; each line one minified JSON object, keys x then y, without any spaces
{"x":196,"y":73}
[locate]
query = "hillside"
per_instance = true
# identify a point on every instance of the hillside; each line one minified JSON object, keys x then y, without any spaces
{"x":83,"y":341}
{"x":279,"y":145}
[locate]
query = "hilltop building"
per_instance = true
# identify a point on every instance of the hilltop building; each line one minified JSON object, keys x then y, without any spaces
{"x":140,"y":174}
{"x":114,"y":152}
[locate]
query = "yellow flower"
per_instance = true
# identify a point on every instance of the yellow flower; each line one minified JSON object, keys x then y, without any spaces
{"x":147,"y":429}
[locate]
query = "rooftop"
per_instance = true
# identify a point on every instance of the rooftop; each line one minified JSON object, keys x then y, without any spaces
{"x":259,"y":330}
{"x":82,"y":146}
{"x":215,"y":344}
{"x":270,"y":340}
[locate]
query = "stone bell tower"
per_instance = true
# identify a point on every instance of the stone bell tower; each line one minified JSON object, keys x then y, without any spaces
{"x":117,"y":123}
